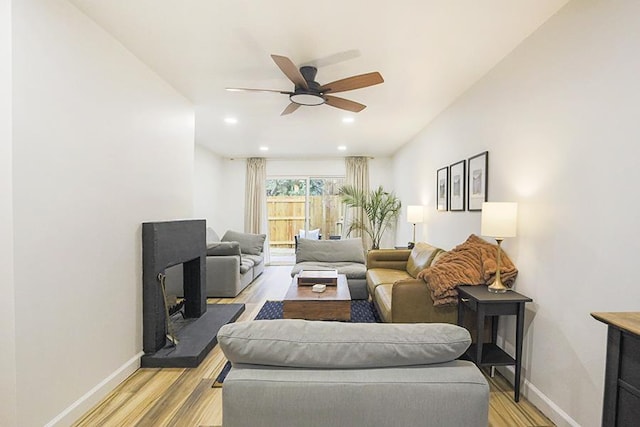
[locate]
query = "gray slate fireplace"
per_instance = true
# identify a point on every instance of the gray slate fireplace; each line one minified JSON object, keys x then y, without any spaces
{"x":165,"y":244}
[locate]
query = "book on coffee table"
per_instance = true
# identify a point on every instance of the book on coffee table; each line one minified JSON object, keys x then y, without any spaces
{"x":313,"y":277}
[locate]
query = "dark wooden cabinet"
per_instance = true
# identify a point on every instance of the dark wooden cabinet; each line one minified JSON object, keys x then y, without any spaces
{"x":621,"y":402}
{"x":491,"y":305}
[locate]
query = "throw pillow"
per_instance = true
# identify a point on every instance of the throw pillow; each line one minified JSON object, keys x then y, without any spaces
{"x":347,"y":250}
{"x":421,"y":257}
{"x":250,"y":243}
{"x":312,"y":234}
{"x":212,"y":236}
{"x":308,"y":344}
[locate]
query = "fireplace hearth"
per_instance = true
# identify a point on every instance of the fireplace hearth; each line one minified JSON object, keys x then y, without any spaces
{"x":165,"y":244}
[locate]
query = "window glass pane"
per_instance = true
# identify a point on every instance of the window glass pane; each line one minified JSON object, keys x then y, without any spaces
{"x":285,"y":210}
{"x":291,"y":214}
{"x":325,"y":209}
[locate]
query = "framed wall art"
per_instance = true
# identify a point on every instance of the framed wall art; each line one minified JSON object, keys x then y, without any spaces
{"x":442,"y":189}
{"x":457,"y":186}
{"x":478,"y":181}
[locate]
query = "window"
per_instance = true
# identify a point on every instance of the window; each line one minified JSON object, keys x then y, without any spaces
{"x":300,"y":206}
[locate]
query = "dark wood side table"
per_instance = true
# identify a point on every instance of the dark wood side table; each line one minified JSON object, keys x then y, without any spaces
{"x":489,"y":304}
{"x":621,"y":403}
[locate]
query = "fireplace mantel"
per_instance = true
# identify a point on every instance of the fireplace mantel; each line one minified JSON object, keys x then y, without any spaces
{"x":165,"y":244}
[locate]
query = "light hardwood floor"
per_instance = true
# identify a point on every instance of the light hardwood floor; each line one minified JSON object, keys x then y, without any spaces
{"x":184,"y":397}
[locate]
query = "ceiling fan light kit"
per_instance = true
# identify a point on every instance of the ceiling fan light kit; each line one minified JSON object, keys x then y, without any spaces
{"x":307,"y":92}
{"x":307,"y":99}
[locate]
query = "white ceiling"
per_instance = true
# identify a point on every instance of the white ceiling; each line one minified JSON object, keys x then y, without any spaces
{"x":428,"y":51}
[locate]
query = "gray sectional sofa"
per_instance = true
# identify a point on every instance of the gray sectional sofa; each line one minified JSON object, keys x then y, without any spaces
{"x":346,"y":256}
{"x":233,"y":262}
{"x":330,"y":374}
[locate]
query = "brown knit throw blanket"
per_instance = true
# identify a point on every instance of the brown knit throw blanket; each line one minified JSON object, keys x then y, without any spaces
{"x":473,"y":262}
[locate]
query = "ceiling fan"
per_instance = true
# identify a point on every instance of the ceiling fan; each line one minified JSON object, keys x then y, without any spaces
{"x":308,"y":92}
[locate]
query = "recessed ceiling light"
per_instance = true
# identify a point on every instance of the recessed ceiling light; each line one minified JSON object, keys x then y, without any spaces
{"x":263,"y":148}
{"x":342,"y":147}
{"x":348,"y":120}
{"x":230,"y":120}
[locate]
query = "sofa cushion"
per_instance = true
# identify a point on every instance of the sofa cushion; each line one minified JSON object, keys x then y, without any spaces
{"x":249,"y":243}
{"x":309,"y":344}
{"x":421,"y":257}
{"x":257,"y":259}
{"x":347,"y":250}
{"x":382,"y":276}
{"x":438,"y":257}
{"x":245,"y":265}
{"x":350,"y":269}
{"x":223,"y":248}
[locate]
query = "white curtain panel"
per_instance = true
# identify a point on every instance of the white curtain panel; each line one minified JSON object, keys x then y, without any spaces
{"x":256,"y":195}
{"x":357,"y":171}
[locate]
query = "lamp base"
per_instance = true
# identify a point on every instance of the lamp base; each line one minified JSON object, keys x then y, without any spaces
{"x":497,"y":287}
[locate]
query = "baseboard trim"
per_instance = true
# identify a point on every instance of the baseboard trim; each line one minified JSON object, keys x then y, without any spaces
{"x":78,"y":408}
{"x":540,"y":400}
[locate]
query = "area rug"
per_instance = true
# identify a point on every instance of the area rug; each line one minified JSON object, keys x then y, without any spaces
{"x":362,"y":311}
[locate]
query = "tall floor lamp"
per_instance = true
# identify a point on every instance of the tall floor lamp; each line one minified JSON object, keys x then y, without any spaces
{"x":415,"y":215}
{"x":499,"y":221}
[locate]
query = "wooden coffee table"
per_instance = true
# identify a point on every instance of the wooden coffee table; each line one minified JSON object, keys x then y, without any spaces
{"x":332,"y":304}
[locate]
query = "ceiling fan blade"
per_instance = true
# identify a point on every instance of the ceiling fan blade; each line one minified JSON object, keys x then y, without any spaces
{"x":290,"y":109}
{"x":354,"y":82}
{"x":290,"y":70}
{"x":344,"y":104}
{"x":244,"y":89}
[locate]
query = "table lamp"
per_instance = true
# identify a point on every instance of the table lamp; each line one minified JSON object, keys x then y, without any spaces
{"x":415,"y":215}
{"x":499,"y":221}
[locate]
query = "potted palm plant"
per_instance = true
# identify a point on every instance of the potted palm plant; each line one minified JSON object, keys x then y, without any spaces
{"x":381,"y":209}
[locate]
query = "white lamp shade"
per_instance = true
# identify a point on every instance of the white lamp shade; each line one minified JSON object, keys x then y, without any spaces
{"x":499,"y":219}
{"x":415,"y":214}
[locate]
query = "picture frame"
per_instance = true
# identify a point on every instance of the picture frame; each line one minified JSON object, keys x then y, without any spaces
{"x":477,"y":181}
{"x":442,"y":189}
{"x":457,"y":186}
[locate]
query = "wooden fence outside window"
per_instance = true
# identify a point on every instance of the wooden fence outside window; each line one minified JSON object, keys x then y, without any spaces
{"x":286,"y":217}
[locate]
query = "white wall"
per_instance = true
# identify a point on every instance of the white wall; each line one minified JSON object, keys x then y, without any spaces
{"x":381,"y":173}
{"x":230,"y":213}
{"x":8,"y":416}
{"x":101,"y":144}
{"x":209,"y":182}
{"x":559,"y":117}
{"x":302,"y":167}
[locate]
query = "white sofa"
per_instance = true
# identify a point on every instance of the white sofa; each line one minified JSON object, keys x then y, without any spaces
{"x":233,"y":262}
{"x":301,"y":373}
